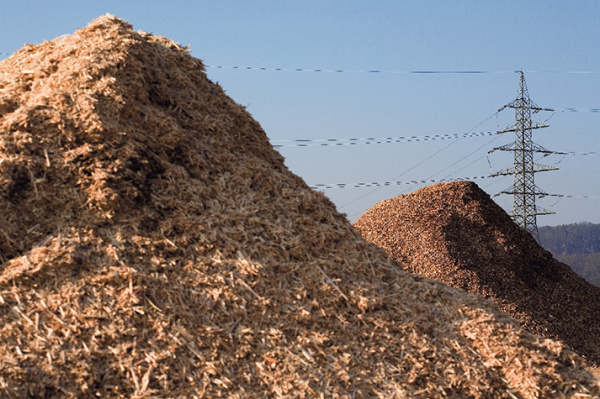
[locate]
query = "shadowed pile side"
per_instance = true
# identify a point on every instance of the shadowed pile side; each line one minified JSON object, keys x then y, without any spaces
{"x":153,"y":244}
{"x":455,"y":233}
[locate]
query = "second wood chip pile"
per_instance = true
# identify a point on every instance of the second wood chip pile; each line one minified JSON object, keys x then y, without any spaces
{"x":455,"y":233}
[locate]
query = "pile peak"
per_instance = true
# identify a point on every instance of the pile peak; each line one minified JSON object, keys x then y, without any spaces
{"x":455,"y":233}
{"x":153,"y":244}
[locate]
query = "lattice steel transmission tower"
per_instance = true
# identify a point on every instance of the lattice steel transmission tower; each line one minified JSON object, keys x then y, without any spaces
{"x":524,"y":190}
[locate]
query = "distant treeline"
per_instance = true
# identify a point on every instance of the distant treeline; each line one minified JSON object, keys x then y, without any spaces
{"x":577,"y":245}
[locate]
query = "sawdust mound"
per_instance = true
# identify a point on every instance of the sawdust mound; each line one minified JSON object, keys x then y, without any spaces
{"x":154,"y":245}
{"x":455,"y":233}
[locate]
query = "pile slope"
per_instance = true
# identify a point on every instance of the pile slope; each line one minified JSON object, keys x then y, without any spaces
{"x":455,"y":233}
{"x":154,"y":244}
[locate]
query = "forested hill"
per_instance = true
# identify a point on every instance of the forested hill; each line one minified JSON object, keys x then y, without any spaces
{"x":578,"y":238}
{"x":577,"y":245}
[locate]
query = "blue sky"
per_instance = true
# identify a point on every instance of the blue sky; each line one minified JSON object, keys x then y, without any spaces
{"x":548,"y":38}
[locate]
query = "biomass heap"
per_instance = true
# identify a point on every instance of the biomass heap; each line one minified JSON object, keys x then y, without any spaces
{"x":153,"y":244}
{"x":455,"y":233}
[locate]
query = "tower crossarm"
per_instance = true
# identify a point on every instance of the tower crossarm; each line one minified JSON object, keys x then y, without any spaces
{"x":505,"y":147}
{"x":520,"y":128}
{"x":538,"y":148}
{"x":543,"y":168}
{"x":532,"y":107}
{"x":503,"y":172}
{"x":512,"y":171}
{"x":535,"y":192}
{"x":539,"y":211}
{"x":542,"y":211}
{"x":534,"y":148}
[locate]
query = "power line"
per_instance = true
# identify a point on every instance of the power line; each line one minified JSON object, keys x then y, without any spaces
{"x":375,"y":71}
{"x":382,"y":71}
{"x":372,"y":140}
{"x":575,"y":153}
{"x":594,"y":110}
{"x":404,"y":72}
{"x":468,"y":155}
{"x":567,"y":196}
{"x":419,"y":163}
{"x":400,"y":175}
{"x":275,"y":69}
{"x":390,"y":183}
{"x":471,"y":153}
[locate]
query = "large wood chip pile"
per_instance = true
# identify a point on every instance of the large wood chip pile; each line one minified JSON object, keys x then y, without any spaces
{"x":153,"y":244}
{"x":455,"y":233}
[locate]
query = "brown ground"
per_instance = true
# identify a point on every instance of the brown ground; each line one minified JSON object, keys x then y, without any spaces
{"x":455,"y":233}
{"x":153,"y":244}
